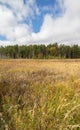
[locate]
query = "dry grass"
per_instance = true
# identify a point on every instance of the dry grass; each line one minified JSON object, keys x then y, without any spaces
{"x":39,"y":94}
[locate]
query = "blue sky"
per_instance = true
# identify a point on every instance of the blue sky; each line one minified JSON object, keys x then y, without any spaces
{"x":39,"y":21}
{"x":46,"y":7}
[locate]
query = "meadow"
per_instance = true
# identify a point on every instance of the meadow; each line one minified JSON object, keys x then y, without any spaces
{"x":39,"y":94}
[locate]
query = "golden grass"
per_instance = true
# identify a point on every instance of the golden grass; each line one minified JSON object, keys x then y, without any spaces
{"x":39,"y":94}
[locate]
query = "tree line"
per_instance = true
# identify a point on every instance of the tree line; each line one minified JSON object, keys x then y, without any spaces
{"x":40,"y":51}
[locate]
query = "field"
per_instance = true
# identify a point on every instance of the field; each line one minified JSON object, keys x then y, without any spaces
{"x":39,"y":94}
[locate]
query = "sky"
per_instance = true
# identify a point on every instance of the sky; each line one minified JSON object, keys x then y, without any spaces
{"x":27,"y":22}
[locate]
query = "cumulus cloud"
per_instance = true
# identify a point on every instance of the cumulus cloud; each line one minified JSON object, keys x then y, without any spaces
{"x":65,"y":28}
{"x":20,"y":8}
{"x":12,"y":16}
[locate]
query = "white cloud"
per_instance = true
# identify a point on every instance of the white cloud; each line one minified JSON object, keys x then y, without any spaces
{"x":12,"y":15}
{"x":7,"y":21}
{"x":20,"y":9}
{"x":63,"y":29}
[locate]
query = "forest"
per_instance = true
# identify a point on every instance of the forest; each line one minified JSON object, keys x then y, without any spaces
{"x":42,"y":51}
